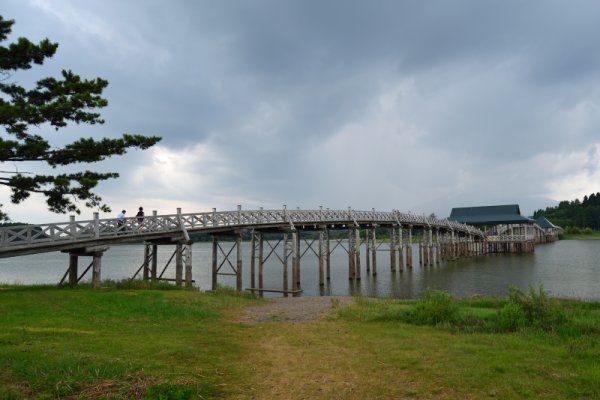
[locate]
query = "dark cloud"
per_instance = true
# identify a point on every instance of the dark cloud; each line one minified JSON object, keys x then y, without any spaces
{"x":397,"y":104}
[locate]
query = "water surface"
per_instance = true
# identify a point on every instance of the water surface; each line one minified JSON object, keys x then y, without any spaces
{"x":567,"y":268}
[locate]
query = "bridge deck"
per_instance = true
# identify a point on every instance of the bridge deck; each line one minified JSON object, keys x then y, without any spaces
{"x":61,"y":236}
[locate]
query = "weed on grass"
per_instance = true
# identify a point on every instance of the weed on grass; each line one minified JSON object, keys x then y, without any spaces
{"x":520,"y":311}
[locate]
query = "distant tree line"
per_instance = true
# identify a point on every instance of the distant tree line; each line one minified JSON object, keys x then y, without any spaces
{"x":576,"y":213}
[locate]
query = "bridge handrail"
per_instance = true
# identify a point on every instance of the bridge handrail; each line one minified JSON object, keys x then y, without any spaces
{"x":510,"y":238}
{"x":73,"y":230}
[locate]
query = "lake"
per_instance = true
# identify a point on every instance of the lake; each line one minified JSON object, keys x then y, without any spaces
{"x":567,"y":268}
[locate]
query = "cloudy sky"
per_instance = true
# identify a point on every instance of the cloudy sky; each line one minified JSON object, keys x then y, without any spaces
{"x":419,"y":106}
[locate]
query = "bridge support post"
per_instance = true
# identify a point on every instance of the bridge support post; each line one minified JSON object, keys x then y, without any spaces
{"x":178,"y":264}
{"x":146,"y":267}
{"x":322,"y":252}
{"x":409,"y":258}
{"x":471,"y":246}
{"x":451,"y":246}
{"x":374,"y":250}
{"x":96,"y":253}
{"x":256,"y":249}
{"x":214,"y":263}
{"x":187,"y":249}
{"x":153,"y":272}
{"x":286,"y":255}
{"x":261,"y":261}
{"x":327,"y":256}
{"x":296,"y":260}
{"x":97,"y":269}
{"x":400,"y":250}
{"x":368,"y":250}
{"x":437,"y":246}
{"x":73,"y":273}
{"x":357,"y":264}
{"x":393,"y":242}
{"x":421,"y":252}
{"x":238,"y":272}
{"x":431,"y":248}
{"x":351,"y":254}
{"x":253,"y":243}
{"x":425,"y":246}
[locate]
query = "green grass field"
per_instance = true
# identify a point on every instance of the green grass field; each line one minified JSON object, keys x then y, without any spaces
{"x":594,"y":235}
{"x":80,"y":343}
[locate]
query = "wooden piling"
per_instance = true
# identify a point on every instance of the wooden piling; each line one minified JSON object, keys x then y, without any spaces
{"x":437,"y":246}
{"x":351,"y":254}
{"x":188,"y":264}
{"x":238,"y":272}
{"x":253,"y":260}
{"x":409,"y":258}
{"x":400,"y":249}
{"x":178,"y":264}
{"x":214,"y":263}
{"x":296,"y":260}
{"x":322,"y":251}
{"x":146,"y":267}
{"x":357,"y":265}
{"x":327,"y":256}
{"x":286,"y":255}
{"x":96,"y":270}
{"x":393,"y":249}
{"x":261,"y":260}
{"x":73,"y":273}
{"x":368,"y":250}
{"x":153,"y":272}
{"x":374,"y":251}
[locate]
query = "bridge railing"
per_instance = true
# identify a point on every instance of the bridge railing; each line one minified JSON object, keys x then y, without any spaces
{"x":510,"y":238}
{"x":96,"y":228}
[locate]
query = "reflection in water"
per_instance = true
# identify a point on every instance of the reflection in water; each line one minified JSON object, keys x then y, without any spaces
{"x":567,"y":268}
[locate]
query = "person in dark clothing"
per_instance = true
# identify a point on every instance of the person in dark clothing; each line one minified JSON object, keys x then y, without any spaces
{"x":140,"y":216}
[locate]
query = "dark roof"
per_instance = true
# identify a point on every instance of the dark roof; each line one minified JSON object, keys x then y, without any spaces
{"x":489,"y":215}
{"x":544,"y":223}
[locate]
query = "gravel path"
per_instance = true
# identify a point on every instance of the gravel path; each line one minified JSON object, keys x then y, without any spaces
{"x":294,"y":309}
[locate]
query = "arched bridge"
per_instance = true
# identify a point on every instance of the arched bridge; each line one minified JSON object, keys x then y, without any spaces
{"x":92,"y":237}
{"x":60,"y":236}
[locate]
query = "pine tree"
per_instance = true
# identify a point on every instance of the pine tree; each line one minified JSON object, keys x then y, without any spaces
{"x":52,"y":103}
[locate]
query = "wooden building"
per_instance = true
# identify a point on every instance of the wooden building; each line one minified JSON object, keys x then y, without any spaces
{"x":506,"y":230}
{"x":549,"y":231}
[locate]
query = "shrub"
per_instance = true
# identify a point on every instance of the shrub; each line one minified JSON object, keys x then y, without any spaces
{"x":540,"y":311}
{"x":511,"y":317}
{"x":434,"y":308}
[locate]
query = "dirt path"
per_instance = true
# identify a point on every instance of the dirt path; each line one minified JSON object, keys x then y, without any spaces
{"x":294,"y":309}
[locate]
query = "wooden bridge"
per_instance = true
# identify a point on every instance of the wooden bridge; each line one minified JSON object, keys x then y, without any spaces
{"x":439,"y":239}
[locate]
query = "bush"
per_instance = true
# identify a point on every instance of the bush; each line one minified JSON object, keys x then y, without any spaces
{"x":539,"y":310}
{"x":511,"y":317}
{"x":434,"y":308}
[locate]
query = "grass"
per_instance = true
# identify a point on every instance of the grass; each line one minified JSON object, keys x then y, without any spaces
{"x":593,"y":235}
{"x":62,"y":342}
{"x":123,"y":343}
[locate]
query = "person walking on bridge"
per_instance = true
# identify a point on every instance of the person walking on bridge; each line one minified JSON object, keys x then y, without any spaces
{"x":140,"y":217}
{"x":120,"y":220}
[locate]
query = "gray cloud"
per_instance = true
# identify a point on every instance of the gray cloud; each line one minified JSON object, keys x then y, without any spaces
{"x":419,"y":106}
